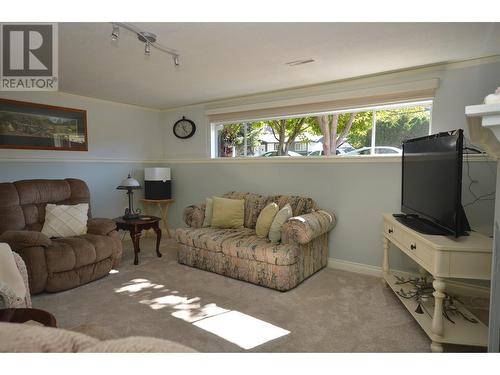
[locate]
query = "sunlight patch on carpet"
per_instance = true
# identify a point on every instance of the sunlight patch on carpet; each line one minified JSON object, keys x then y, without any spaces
{"x":241,"y":329}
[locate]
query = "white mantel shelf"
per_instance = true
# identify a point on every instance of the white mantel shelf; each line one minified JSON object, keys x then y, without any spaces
{"x":489,"y":114}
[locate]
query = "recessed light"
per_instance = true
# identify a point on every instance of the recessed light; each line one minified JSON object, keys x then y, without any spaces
{"x":300,"y":62}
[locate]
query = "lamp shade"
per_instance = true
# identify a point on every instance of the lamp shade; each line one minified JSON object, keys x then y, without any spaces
{"x":129,"y":183}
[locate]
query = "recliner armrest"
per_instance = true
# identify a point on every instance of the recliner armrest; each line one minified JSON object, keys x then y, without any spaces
{"x":21,"y":239}
{"x":305,"y":228}
{"x":100,"y":226}
{"x":194,"y":216}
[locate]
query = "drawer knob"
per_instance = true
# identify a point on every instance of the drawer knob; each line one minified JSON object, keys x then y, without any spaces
{"x":413,"y":246}
{"x":390,"y":230}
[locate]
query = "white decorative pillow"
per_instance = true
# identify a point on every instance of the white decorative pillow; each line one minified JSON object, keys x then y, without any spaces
{"x":281,"y":217}
{"x":65,"y":221}
{"x":10,"y":277}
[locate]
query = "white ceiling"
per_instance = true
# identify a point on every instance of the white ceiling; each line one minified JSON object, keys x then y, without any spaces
{"x":222,"y":60}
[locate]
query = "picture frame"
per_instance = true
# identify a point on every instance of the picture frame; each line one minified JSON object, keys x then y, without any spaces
{"x":33,"y":126}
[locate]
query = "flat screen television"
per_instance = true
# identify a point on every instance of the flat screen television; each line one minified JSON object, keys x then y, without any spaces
{"x":431,"y":196}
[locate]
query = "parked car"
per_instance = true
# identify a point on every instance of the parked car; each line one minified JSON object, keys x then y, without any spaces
{"x":275,"y":153}
{"x":340,"y":151}
{"x":379,"y":150}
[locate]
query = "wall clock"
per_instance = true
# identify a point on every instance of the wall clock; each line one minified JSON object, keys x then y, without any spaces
{"x":184,"y":128}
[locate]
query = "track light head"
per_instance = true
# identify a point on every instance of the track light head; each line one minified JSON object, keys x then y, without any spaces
{"x":115,"y":33}
{"x":146,"y":37}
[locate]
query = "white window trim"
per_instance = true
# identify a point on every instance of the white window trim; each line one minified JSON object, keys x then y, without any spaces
{"x":374,"y":109}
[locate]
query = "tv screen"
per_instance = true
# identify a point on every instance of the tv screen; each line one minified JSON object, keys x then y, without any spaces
{"x":432,"y":180}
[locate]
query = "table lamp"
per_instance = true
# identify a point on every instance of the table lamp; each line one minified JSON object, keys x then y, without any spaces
{"x":130,"y":184}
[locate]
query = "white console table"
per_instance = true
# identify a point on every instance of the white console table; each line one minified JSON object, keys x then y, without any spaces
{"x":443,"y":257}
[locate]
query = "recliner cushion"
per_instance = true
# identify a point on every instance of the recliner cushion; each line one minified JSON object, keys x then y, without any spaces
{"x":70,"y":253}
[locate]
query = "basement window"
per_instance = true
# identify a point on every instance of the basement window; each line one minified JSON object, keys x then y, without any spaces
{"x":372,"y":131}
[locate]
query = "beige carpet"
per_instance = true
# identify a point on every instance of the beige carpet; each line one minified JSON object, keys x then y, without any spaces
{"x":332,"y":311}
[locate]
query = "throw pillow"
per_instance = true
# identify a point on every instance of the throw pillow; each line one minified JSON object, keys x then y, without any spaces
{"x":281,"y":217}
{"x":208,"y":212}
{"x":227,"y":213}
{"x":265,"y":219}
{"x":10,"y":277}
{"x":65,"y":221}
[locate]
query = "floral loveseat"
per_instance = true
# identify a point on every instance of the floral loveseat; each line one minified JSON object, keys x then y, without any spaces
{"x":240,"y":254}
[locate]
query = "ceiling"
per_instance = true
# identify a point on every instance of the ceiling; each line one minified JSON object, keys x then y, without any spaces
{"x":223,"y":60}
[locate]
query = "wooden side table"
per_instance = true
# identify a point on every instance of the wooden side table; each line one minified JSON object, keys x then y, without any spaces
{"x":22,"y":315}
{"x":162,"y":205}
{"x":136,"y":226}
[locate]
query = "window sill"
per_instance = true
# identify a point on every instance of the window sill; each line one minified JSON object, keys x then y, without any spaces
{"x":362,"y":159}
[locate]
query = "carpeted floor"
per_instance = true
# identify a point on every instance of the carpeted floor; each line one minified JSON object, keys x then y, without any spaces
{"x":332,"y":311}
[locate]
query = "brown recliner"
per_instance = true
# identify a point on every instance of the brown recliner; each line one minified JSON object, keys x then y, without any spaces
{"x":59,"y":263}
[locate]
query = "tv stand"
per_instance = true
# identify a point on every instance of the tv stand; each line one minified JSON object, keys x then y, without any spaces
{"x":421,"y":225}
{"x":439,"y":258}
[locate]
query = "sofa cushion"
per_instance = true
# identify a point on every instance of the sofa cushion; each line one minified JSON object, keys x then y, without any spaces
{"x":254,"y":203}
{"x":210,"y":239}
{"x":247,"y":245}
{"x":74,"y":252}
{"x":300,"y":205}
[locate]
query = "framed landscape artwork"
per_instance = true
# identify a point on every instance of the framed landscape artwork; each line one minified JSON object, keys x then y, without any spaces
{"x":37,"y":126}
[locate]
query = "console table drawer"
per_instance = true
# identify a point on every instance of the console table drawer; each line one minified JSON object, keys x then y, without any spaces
{"x":409,"y":243}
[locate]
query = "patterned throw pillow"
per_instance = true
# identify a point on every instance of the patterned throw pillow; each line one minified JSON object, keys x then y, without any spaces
{"x":65,"y":221}
{"x":281,"y":217}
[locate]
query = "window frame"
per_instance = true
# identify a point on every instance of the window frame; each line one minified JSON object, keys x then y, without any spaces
{"x":374,"y":108}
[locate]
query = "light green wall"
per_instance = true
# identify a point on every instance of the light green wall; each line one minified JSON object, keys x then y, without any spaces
{"x":357,"y":192}
{"x":117,"y":133}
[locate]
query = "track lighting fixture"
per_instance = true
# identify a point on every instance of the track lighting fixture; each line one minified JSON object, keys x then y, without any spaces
{"x":149,"y":40}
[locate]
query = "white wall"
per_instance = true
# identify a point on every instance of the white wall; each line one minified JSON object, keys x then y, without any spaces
{"x":357,"y":192}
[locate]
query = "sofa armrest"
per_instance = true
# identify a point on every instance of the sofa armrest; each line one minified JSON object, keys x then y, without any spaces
{"x":21,"y":239}
{"x":100,"y":226}
{"x":194,"y":216}
{"x":305,"y":228}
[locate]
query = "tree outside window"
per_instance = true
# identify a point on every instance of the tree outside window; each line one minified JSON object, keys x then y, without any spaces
{"x":350,"y":133}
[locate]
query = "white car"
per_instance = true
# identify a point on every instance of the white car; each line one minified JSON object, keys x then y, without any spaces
{"x":275,"y":153}
{"x":340,"y":151}
{"x":379,"y":150}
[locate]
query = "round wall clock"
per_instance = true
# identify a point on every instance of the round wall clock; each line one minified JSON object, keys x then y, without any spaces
{"x":184,"y":128}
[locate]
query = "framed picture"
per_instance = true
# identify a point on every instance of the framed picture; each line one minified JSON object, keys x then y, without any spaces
{"x":37,"y":126}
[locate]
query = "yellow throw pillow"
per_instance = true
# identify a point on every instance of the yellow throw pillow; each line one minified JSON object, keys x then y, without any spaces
{"x":227,"y":213}
{"x":281,"y":217}
{"x":265,"y":219}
